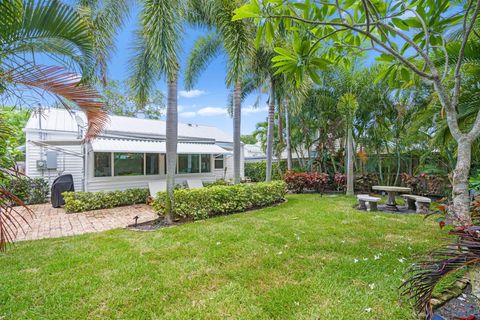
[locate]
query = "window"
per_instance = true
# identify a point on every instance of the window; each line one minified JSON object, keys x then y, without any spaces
{"x":152,"y":163}
{"x":128,"y":164}
{"x":205,"y":163}
{"x":188,"y":163}
{"x":219,"y":161}
{"x":103,"y":164}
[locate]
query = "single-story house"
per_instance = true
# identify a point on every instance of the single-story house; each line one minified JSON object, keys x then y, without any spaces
{"x":128,"y":154}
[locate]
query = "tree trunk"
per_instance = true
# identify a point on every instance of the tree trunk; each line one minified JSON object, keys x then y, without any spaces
{"x":280,"y":123}
{"x":287,"y":132}
{"x":270,"y":129}
{"x":380,"y":169}
{"x":350,"y":190}
{"x":399,"y":164}
{"x":460,"y":213}
{"x":171,"y":144}
{"x":237,"y":120}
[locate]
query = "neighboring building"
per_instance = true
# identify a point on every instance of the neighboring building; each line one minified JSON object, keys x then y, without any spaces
{"x":128,"y":154}
{"x":254,"y":153}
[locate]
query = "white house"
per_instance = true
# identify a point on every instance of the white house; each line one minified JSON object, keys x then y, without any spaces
{"x":128,"y":154}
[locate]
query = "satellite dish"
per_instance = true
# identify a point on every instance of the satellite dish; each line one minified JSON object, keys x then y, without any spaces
{"x":79,"y":121}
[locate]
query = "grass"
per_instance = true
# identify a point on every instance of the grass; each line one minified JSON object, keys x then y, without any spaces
{"x":293,"y":261}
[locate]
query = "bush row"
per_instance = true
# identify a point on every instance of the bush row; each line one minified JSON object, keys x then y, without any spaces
{"x":86,"y":201}
{"x":320,"y":182}
{"x":203,"y":203}
{"x":298,"y":182}
{"x":427,"y":184}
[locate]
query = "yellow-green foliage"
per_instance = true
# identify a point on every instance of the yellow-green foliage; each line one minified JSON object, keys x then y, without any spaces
{"x":202,"y":203}
{"x":86,"y":201}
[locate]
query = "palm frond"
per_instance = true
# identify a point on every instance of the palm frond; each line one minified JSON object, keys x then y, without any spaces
{"x":427,"y":274}
{"x":63,"y":84}
{"x":105,"y":19}
{"x":157,"y":45}
{"x":44,"y":21}
{"x":204,"y":50}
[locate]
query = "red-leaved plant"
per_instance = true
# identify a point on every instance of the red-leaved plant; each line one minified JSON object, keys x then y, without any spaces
{"x":299,"y":182}
{"x":340,"y":181}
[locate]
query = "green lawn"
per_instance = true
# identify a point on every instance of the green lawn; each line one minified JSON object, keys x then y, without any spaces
{"x":293,"y":261}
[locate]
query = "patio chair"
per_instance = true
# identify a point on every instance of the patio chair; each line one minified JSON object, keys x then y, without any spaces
{"x":194,"y":184}
{"x":156,"y":187}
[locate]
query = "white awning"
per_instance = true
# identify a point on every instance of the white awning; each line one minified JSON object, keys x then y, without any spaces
{"x":124,"y":145}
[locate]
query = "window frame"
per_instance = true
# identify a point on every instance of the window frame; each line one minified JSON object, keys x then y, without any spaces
{"x":162,"y":164}
{"x":219,"y":157}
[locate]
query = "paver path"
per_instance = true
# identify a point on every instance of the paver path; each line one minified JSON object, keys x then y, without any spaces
{"x":49,"y":222}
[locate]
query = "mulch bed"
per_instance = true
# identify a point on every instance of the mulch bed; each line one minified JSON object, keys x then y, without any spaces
{"x":160,"y":222}
{"x":465,"y":306}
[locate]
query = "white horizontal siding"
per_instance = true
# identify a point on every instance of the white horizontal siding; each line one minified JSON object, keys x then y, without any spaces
{"x":66,"y":163}
{"x":134,"y":182}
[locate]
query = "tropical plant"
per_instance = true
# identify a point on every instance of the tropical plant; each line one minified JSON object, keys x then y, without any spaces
{"x":119,"y":100}
{"x":156,"y":54}
{"x":57,"y":30}
{"x":231,"y":37}
{"x":425,"y":275}
{"x":104,"y":18}
{"x":11,"y":217}
{"x":347,"y":105}
{"x":337,"y":29}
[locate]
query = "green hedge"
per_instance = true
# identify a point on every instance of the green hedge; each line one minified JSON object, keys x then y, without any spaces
{"x":29,"y":190}
{"x":86,"y":201}
{"x":202,"y":203}
{"x":255,"y":171}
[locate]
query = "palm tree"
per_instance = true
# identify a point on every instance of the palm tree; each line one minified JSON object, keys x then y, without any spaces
{"x":157,"y":47}
{"x":58,"y":31}
{"x":104,"y":18}
{"x":231,"y":37}
{"x":348,"y":105}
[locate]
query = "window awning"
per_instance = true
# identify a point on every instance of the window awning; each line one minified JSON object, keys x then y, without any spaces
{"x":124,"y":145}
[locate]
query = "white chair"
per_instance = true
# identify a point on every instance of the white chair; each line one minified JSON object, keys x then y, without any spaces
{"x":194,"y":184}
{"x":156,"y":187}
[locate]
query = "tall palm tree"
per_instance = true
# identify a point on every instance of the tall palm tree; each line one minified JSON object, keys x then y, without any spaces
{"x":347,"y":105}
{"x":230,"y":37}
{"x":157,"y":47}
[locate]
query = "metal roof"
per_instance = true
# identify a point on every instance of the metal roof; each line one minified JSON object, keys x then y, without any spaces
{"x":54,"y":119}
{"x":126,"y":145}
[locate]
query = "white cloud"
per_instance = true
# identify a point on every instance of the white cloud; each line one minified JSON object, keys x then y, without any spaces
{"x":188,"y":114}
{"x":191,"y":93}
{"x":252,"y":109}
{"x":212,"y":111}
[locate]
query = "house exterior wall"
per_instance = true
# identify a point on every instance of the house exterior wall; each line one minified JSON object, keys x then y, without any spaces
{"x":74,"y":164}
{"x":67,"y":163}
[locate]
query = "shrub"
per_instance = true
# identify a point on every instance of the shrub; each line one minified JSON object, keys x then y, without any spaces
{"x":256,"y":171}
{"x":426,"y":184}
{"x":86,"y":201}
{"x":30,"y":191}
{"x":340,"y":181}
{"x":215,"y":200}
{"x":364,"y":182}
{"x":219,"y":182}
{"x":298,"y":182}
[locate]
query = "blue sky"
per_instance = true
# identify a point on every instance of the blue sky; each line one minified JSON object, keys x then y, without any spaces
{"x":206,"y":103}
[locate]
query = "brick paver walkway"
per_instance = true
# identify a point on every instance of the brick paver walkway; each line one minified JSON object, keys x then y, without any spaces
{"x":49,"y":222}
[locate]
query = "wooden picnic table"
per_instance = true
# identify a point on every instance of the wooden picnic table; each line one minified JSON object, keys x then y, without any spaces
{"x":392,"y":192}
